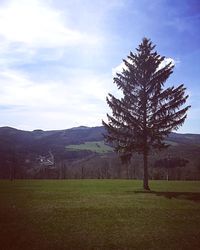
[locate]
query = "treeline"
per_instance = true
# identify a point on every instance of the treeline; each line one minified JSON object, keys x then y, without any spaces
{"x":21,"y":153}
{"x":90,"y":165}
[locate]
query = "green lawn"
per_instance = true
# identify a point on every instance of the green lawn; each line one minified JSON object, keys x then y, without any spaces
{"x":95,"y":146}
{"x":99,"y":214}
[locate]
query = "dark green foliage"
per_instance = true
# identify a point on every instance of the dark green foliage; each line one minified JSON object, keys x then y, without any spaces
{"x":171,"y":163}
{"x":147,"y":112}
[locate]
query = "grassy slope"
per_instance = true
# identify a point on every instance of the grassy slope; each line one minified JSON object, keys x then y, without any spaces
{"x":99,"y":214}
{"x":95,"y":146}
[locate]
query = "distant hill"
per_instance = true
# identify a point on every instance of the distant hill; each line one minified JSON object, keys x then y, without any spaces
{"x":23,"y":148}
{"x":43,"y":141}
{"x":40,"y":142}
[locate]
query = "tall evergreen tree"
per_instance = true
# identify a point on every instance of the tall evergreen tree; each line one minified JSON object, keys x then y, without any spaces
{"x":147,"y":112}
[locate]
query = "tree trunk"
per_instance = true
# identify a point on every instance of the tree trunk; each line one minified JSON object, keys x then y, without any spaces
{"x":134,"y":171}
{"x":82,"y":173}
{"x":146,"y":177}
{"x":167,"y":174}
{"x":145,"y":152}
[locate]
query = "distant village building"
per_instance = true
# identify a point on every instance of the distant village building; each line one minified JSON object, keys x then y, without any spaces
{"x":47,"y":161}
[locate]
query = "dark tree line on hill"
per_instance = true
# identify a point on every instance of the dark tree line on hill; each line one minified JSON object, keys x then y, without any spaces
{"x":170,"y":163}
{"x":20,"y":150}
{"x":84,"y":165}
{"x":21,"y":161}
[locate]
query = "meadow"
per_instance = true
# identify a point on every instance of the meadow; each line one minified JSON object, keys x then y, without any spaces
{"x":99,"y":214}
{"x":95,"y":146}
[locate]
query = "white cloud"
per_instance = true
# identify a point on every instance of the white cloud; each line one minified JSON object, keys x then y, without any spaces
{"x":167,"y":60}
{"x":33,"y":33}
{"x":27,"y":26}
{"x":120,"y":67}
{"x":52,"y":105}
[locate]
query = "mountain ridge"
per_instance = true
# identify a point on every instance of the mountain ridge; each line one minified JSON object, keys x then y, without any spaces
{"x":76,"y":147}
{"x":81,"y":127}
{"x":75,"y":135}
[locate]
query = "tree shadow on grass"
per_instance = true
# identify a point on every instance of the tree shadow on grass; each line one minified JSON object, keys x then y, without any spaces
{"x":192,"y":196}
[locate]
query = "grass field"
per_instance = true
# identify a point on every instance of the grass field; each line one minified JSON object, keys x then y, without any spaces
{"x":99,"y":214}
{"x":95,"y":146}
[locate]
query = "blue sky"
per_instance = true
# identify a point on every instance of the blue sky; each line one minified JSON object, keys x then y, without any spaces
{"x":58,"y":56}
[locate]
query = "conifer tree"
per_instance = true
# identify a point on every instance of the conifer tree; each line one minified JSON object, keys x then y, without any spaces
{"x":147,"y":112}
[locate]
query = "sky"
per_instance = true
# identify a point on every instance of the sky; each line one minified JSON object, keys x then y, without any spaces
{"x":58,"y":57}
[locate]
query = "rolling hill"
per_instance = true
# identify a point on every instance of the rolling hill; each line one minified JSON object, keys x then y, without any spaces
{"x":75,"y":146}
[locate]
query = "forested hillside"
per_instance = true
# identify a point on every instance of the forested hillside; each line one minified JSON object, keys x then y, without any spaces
{"x":82,"y":153}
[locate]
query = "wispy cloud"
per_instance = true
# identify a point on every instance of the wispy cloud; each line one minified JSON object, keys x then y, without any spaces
{"x":63,"y":105}
{"x":118,"y":69}
{"x":34,"y":33}
{"x":27,"y":26}
{"x":36,"y":24}
{"x":167,"y":60}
